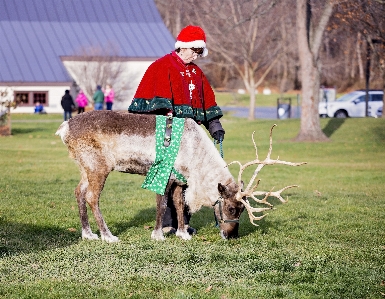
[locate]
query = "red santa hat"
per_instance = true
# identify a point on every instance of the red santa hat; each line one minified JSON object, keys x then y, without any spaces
{"x":192,"y":37}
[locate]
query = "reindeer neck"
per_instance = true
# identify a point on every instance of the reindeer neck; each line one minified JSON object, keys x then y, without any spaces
{"x":205,"y":170}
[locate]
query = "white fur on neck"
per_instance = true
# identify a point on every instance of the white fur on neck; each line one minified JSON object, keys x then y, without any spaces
{"x":203,"y":174}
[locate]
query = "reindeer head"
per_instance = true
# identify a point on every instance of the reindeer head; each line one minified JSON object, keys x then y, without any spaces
{"x":233,"y":199}
{"x":227,"y":210}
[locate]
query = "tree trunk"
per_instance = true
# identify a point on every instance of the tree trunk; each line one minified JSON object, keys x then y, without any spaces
{"x":382,"y":67}
{"x":359,"y":58}
{"x":308,"y":47}
{"x":252,"y":104}
{"x":5,"y":130}
{"x":285,"y":74}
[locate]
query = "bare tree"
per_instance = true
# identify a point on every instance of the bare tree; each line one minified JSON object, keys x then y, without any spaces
{"x":96,"y":66}
{"x":7,"y":101}
{"x":367,"y":18}
{"x":285,"y":69}
{"x":252,"y":42}
{"x":238,"y":31}
{"x":309,"y":36}
{"x":172,"y":12}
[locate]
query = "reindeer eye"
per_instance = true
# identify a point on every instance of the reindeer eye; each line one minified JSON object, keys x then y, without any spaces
{"x":232,"y":211}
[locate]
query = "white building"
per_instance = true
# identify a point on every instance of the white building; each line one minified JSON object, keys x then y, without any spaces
{"x":45,"y":43}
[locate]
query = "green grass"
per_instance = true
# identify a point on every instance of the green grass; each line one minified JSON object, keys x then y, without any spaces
{"x":243,"y":100}
{"x":328,"y":241}
{"x":261,"y":100}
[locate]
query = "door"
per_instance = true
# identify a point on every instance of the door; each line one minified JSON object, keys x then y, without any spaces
{"x":357,"y":108}
{"x":375,"y":103}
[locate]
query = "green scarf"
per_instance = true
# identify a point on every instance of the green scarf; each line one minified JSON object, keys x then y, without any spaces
{"x":160,"y":171}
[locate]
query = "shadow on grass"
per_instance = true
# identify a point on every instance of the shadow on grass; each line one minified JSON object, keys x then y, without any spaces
{"x":20,"y":131}
{"x":143,"y":217}
{"x":198,"y":220}
{"x":263,"y":226}
{"x":333,"y":125}
{"x":202,"y":219}
{"x":17,"y":238}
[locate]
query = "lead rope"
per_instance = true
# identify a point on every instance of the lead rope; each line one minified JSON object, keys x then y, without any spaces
{"x":220,"y":146}
{"x":220,"y":208}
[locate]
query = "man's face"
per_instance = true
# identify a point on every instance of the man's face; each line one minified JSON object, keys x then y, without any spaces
{"x":187,"y":55}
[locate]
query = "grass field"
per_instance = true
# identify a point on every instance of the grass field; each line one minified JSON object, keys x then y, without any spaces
{"x":328,"y":241}
{"x":261,"y":100}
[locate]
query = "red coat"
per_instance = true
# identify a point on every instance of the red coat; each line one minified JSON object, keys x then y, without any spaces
{"x":169,"y":84}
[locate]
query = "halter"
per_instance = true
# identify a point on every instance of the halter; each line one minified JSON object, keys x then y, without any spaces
{"x":219,"y":202}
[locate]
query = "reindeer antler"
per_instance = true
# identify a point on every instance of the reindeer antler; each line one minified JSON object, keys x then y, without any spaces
{"x":249,"y":191}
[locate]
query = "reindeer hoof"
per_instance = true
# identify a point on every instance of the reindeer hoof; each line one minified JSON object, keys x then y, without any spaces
{"x":183,"y":234}
{"x":110,"y":239}
{"x":88,"y":235}
{"x":157,"y":235}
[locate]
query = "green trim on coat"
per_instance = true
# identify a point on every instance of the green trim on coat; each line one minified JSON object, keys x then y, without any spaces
{"x":181,"y":111}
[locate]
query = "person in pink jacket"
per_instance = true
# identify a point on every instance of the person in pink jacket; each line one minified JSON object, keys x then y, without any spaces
{"x":82,"y":101}
{"x":109,"y":96}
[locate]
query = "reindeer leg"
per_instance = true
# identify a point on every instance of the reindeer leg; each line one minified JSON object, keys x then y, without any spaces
{"x":161,"y":204}
{"x":96,"y":183}
{"x":80,"y":193}
{"x":179,"y":206}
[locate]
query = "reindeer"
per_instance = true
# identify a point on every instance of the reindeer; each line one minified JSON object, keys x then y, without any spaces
{"x":103,"y":141}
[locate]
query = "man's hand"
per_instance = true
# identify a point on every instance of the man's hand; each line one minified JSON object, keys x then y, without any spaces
{"x":216,"y":130}
{"x":219,"y":135}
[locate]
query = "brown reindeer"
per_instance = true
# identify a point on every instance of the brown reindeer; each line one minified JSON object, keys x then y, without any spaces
{"x":103,"y":141}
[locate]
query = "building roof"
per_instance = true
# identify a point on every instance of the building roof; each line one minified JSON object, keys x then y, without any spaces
{"x":34,"y":35}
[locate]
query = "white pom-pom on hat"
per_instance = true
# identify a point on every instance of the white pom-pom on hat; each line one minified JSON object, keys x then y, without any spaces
{"x":192,"y":37}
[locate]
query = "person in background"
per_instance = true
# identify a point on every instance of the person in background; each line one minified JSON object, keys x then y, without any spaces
{"x":109,"y":96}
{"x":98,"y":98}
{"x":67,"y":104}
{"x":82,"y":101}
{"x":39,"y":108}
{"x":175,"y":85}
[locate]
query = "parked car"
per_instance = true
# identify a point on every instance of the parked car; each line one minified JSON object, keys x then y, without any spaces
{"x":352,"y":105}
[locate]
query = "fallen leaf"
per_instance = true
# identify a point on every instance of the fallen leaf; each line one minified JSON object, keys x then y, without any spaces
{"x":71,"y":229}
{"x":209,"y":289}
{"x":317,"y":193}
{"x":147,"y":227}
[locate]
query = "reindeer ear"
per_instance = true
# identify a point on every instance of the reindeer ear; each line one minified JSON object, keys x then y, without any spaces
{"x":221,"y":188}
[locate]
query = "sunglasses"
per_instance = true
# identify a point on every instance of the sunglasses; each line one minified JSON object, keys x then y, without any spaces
{"x":199,"y":51}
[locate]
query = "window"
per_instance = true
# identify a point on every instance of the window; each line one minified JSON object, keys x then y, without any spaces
{"x":29,"y":98}
{"x":377,"y":97}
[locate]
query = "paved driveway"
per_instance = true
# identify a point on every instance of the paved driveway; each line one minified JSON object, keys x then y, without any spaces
{"x":260,"y":112}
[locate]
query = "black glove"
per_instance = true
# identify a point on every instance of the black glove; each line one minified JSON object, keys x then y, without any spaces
{"x":216,"y":130}
{"x":219,"y":135}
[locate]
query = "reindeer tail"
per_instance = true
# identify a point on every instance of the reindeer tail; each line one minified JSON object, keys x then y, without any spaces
{"x":62,"y":131}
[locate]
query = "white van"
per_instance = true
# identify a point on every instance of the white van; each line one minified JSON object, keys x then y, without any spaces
{"x":352,"y":105}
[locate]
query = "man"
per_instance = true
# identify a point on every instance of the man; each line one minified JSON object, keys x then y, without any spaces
{"x":67,"y":104}
{"x":175,"y":85}
{"x":98,"y":98}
